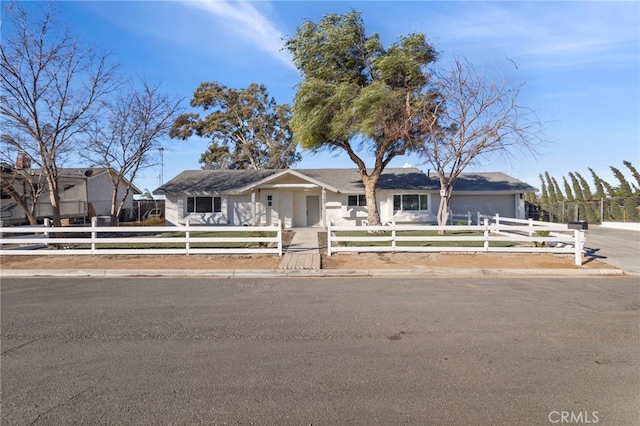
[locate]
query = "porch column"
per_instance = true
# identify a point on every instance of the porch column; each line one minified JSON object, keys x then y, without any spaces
{"x":323,"y":209}
{"x":254,"y":210}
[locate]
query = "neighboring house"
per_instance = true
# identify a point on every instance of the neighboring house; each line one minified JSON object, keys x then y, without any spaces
{"x":84,"y":192}
{"x":315,"y":197}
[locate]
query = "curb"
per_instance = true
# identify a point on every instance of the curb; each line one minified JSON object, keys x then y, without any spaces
{"x":270,"y":273}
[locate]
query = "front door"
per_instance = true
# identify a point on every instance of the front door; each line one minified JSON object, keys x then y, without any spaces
{"x":313,"y":210}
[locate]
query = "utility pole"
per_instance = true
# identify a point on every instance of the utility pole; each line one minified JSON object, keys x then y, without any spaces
{"x":161,"y":176}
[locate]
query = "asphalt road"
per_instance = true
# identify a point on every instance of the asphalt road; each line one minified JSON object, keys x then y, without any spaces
{"x":320,"y":351}
{"x":618,"y":247}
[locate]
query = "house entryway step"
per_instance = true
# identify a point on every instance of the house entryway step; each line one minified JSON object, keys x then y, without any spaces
{"x":301,"y":261}
{"x":304,"y":251}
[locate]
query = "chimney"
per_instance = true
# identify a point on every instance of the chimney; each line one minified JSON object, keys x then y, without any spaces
{"x":23,"y":161}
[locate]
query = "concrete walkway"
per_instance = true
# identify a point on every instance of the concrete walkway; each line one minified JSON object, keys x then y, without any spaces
{"x":303,"y":251}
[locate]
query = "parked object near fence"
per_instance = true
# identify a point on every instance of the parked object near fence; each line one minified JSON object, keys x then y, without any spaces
{"x":140,"y":240}
{"x":526,"y":236}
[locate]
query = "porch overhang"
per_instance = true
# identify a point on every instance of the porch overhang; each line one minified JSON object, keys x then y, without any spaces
{"x":266,"y":183}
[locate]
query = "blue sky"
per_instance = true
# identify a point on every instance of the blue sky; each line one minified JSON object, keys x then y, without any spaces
{"x":579,"y":62}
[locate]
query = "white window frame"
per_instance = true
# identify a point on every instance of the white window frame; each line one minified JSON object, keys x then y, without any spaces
{"x":422,"y":199}
{"x":361,"y":200}
{"x":216,"y":204}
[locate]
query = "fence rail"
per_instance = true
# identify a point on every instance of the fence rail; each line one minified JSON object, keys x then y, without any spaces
{"x":139,"y":240}
{"x":527,"y":236}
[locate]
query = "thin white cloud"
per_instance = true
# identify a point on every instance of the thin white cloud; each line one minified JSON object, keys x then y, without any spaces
{"x":547,"y":35}
{"x":247,"y":23}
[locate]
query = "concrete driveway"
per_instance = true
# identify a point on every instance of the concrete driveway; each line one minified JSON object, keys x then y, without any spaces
{"x":617,"y":247}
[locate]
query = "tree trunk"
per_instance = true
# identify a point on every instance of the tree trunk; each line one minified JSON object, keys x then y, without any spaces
{"x":123,"y":199}
{"x":443,"y":209}
{"x":114,"y":206}
{"x":370,"y":183}
{"x":54,"y":197}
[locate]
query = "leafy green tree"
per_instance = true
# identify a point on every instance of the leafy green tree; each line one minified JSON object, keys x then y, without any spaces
{"x":357,"y":96}
{"x":247,"y":128}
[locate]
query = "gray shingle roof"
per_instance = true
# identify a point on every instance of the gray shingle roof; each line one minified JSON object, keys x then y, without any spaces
{"x":206,"y":182}
{"x":494,"y":181}
{"x":348,"y":180}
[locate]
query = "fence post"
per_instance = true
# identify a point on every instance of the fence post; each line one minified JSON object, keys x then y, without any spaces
{"x":279,"y":237}
{"x":329,"y":239}
{"x":531,"y":231}
{"x":94,"y":234}
{"x":186,"y":234}
{"x":578,"y":236}
{"x":47,"y":224}
{"x":468,"y":218}
{"x":393,"y":236}
{"x":486,"y":234}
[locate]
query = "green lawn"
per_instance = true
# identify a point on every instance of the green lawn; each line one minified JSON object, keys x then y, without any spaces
{"x":459,"y":243}
{"x":160,"y":245}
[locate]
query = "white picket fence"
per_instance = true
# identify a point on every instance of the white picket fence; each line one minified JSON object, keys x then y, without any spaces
{"x":528,"y":236}
{"x":41,"y":240}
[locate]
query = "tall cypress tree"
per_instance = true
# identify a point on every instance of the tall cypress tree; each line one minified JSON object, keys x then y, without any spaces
{"x":624,"y":190}
{"x":591,"y":207}
{"x":544,"y":198}
{"x":635,"y":175}
{"x":567,"y":189}
{"x":576,"y":186}
{"x":550,"y":188}
{"x":558,"y":191}
{"x":598,"y":184}
{"x":586,"y":190}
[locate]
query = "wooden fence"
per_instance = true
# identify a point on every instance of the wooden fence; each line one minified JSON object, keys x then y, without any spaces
{"x":139,"y":240}
{"x":526,"y":236}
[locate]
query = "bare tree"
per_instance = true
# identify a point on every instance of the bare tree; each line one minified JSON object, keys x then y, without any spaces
{"x":137,"y":120}
{"x":50,"y":90}
{"x":475,"y":118}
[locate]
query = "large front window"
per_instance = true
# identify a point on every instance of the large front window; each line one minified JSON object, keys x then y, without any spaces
{"x":356,"y":201}
{"x":410,"y":202}
{"x":204,"y":204}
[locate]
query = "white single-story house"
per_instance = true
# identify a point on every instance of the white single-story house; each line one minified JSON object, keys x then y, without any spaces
{"x":316,"y":197}
{"x":84,"y":192}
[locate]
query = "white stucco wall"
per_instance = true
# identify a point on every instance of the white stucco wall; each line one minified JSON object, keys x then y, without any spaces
{"x":99,"y":191}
